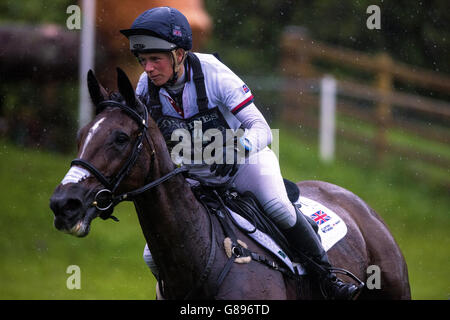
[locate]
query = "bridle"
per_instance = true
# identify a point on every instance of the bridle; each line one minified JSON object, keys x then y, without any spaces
{"x":105,"y":199}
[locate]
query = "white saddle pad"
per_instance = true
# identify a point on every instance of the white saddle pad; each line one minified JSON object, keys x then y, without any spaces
{"x":331,"y":229}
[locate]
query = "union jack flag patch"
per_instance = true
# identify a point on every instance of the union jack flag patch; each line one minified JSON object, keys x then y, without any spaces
{"x":176,"y":31}
{"x":320,"y":217}
{"x":245,"y":88}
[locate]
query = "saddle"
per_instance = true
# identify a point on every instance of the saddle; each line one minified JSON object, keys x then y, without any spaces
{"x":244,"y":212}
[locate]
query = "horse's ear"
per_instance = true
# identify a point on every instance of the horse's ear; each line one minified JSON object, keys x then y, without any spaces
{"x":125,"y":88}
{"x":96,"y":91}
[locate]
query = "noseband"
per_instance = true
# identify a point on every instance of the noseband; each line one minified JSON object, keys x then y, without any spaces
{"x":105,"y":199}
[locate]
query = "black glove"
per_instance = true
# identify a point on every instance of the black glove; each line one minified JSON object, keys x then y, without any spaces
{"x":238,"y":150}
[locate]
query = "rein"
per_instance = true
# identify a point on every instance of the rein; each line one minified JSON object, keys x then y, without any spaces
{"x":105,"y":200}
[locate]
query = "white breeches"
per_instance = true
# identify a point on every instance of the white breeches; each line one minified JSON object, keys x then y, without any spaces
{"x":263,"y":178}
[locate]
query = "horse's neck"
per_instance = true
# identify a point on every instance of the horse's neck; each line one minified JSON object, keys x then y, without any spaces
{"x":175,"y":226}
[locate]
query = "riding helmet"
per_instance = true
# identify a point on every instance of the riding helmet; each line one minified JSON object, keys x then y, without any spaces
{"x":159,"y":29}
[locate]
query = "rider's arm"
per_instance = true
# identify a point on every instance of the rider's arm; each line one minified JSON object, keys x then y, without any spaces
{"x":257,"y":130}
{"x":228,"y":90}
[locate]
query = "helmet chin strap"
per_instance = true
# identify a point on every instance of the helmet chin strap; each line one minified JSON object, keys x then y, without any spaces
{"x":176,"y":67}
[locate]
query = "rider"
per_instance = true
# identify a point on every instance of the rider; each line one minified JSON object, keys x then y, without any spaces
{"x":171,"y":87}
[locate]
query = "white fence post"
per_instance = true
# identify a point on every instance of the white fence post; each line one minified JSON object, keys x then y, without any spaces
{"x":87,"y":49}
{"x":327,"y":118}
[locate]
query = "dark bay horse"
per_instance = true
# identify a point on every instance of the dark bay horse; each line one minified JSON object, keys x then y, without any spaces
{"x":122,"y":150}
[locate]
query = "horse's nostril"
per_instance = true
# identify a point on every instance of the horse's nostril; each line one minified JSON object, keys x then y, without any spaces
{"x":64,"y":207}
{"x":71,"y":205}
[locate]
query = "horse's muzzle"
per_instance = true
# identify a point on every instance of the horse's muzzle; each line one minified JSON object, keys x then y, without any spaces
{"x":68,"y":204}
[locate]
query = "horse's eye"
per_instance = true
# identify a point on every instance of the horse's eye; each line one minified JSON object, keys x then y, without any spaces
{"x":122,"y":138}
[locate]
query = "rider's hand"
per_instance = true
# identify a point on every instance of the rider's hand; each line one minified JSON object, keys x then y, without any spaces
{"x":236,"y":153}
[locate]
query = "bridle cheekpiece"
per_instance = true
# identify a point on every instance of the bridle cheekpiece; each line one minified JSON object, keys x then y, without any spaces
{"x":105,"y":199}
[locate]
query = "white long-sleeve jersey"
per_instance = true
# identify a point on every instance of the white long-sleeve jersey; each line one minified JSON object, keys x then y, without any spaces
{"x":226,"y":91}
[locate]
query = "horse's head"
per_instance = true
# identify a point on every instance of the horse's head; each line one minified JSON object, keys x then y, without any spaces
{"x":114,"y":156}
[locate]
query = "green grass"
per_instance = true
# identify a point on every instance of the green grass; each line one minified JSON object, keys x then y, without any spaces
{"x":35,"y":256}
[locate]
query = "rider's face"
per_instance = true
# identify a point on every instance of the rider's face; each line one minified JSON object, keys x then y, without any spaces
{"x":158,"y":66}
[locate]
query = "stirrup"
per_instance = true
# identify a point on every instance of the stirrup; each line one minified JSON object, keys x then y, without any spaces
{"x":339,"y":282}
{"x":348,"y":274}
